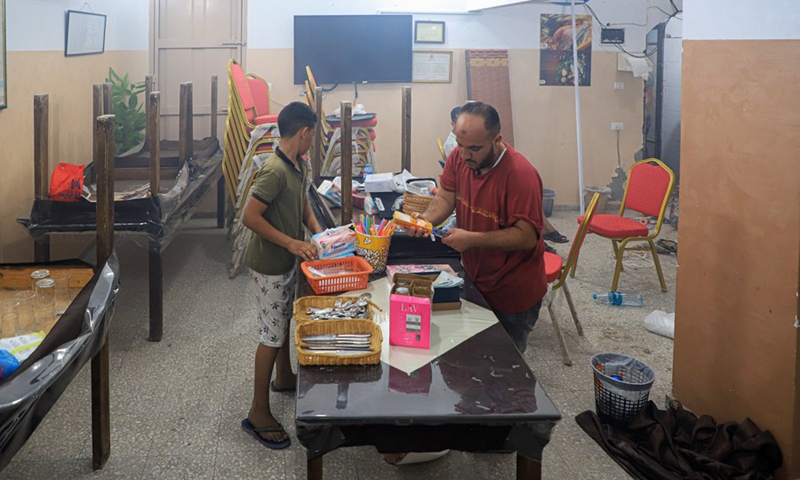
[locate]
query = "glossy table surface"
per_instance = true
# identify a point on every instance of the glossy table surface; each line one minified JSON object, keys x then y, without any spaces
{"x":483,"y":381}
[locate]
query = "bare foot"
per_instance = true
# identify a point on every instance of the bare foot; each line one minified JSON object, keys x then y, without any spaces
{"x":267,"y":420}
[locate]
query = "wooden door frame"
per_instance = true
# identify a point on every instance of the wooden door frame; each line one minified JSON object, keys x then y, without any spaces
{"x":152,"y":61}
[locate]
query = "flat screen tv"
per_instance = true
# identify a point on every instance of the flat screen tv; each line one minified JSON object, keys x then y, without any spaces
{"x":353,"y":48}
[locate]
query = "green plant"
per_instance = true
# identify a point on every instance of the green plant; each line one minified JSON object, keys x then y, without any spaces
{"x":129,"y":113}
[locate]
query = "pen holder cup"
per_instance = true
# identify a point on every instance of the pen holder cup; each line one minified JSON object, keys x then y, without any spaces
{"x":374,"y":249}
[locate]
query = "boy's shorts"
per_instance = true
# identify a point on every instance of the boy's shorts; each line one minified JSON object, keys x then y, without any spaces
{"x":274,"y":297}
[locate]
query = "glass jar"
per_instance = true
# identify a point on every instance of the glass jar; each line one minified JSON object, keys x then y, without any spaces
{"x":37,"y":275}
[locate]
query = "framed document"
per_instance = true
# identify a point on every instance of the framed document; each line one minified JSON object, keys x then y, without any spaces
{"x":428,"y":32}
{"x":86,"y":33}
{"x":432,"y":67}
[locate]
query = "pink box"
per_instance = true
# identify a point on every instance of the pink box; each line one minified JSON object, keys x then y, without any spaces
{"x":409,"y":321}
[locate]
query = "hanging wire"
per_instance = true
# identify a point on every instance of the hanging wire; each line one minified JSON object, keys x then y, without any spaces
{"x":86,"y":4}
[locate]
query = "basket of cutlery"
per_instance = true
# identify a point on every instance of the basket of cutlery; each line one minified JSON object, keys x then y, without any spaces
{"x":338,"y":342}
{"x":312,"y":308}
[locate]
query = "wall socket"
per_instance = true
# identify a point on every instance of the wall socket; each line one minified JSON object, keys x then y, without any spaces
{"x":619,"y":85}
{"x":616,"y":125}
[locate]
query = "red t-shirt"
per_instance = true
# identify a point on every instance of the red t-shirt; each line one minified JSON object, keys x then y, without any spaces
{"x":511,"y":282}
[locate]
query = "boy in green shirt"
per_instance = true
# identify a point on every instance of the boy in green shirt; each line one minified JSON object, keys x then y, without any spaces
{"x":276,"y":212}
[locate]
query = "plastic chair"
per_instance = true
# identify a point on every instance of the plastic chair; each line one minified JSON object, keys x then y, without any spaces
{"x":648,"y":189}
{"x":556,"y":272}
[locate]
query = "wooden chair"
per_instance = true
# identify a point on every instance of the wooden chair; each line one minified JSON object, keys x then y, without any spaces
{"x":649,"y":185}
{"x":556,"y":272}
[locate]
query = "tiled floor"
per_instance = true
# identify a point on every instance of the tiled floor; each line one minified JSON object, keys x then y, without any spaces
{"x":177,"y":404}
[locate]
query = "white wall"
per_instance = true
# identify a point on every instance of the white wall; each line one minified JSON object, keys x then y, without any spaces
{"x":742,"y":19}
{"x":39,"y":25}
{"x":512,"y":27}
{"x":671,"y":114}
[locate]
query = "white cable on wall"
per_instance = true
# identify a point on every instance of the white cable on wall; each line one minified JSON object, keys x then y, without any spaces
{"x":576,"y":81}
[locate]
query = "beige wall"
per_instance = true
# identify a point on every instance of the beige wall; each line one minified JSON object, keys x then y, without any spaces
{"x":68,"y":81}
{"x":736,"y":345}
{"x":544,"y":117}
{"x":544,"y":121}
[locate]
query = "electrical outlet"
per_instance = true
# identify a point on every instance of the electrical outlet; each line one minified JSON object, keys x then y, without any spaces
{"x":616,"y":125}
{"x":619,"y":85}
{"x":301,"y":92}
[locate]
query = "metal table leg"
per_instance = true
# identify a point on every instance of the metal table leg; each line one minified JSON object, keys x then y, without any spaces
{"x":528,"y":469}
{"x":314,"y":469}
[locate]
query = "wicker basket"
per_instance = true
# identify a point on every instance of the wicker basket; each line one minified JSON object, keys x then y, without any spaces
{"x":413,"y":203}
{"x":307,"y":357}
{"x":304,"y":303}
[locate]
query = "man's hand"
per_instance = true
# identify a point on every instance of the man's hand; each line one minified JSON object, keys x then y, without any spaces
{"x":459,"y":239}
{"x":304,"y":250}
{"x":418,"y":232}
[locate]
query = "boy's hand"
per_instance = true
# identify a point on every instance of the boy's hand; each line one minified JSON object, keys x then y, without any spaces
{"x":304,"y":250}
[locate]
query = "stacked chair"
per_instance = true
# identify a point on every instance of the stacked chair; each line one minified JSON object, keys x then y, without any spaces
{"x":250,"y":130}
{"x":363,"y":137}
{"x":248,"y":112}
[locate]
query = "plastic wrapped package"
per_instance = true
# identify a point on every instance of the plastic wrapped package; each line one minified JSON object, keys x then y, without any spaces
{"x":29,"y":393}
{"x":159,"y":216}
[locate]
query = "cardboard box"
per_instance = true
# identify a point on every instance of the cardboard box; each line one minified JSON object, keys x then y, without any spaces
{"x":410,"y":314}
{"x":443,"y":298}
{"x":379,"y":182}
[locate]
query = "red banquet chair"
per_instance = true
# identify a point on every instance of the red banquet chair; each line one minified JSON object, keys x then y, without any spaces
{"x":556,"y":272}
{"x":647,"y":191}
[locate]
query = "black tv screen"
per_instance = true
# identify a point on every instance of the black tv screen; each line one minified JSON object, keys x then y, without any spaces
{"x":353,"y":48}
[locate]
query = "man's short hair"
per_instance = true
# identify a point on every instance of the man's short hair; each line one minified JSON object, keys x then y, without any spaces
{"x":294,"y":117}
{"x":454,"y":114}
{"x":491,"y":120}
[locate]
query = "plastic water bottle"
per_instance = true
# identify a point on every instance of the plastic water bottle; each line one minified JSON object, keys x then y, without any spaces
{"x":367,"y":169}
{"x":617,"y":299}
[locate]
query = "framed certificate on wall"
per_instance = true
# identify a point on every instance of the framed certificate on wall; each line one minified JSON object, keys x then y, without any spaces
{"x":432,"y":67}
{"x":428,"y":32}
{"x":86,"y":33}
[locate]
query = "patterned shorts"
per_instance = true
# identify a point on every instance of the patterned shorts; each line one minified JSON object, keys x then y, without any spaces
{"x":274,"y":295}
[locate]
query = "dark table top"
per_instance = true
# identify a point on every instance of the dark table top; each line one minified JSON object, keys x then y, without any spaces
{"x":484,"y":380}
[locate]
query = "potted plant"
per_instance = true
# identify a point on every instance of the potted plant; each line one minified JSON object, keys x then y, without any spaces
{"x":129,"y":112}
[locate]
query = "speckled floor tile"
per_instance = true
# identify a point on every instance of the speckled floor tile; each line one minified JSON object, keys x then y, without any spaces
{"x":179,"y":434}
{"x":336,"y":465}
{"x":180,"y":467}
{"x":39,"y":469}
{"x":118,"y":467}
{"x":245,"y":465}
{"x":177,"y":404}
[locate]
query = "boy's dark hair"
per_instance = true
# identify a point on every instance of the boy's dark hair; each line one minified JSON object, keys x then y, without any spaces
{"x":454,"y":114}
{"x":294,"y":117}
{"x":491,"y":120}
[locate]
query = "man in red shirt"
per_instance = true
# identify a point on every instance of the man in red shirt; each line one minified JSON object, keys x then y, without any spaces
{"x":497,"y":196}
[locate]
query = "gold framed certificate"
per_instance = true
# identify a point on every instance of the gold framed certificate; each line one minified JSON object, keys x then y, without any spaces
{"x":432,"y":67}
{"x":426,"y":31}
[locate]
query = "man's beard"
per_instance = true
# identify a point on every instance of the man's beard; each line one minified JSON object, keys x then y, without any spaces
{"x":487,"y":161}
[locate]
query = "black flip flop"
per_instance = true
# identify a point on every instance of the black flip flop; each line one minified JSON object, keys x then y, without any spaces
{"x":555,"y":237}
{"x":249,"y":428}
{"x":667,"y":247}
{"x":281,"y":390}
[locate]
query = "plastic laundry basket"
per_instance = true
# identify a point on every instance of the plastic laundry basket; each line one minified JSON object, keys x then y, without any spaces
{"x":548,"y":198}
{"x":621,"y":385}
{"x":605,"y":196}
